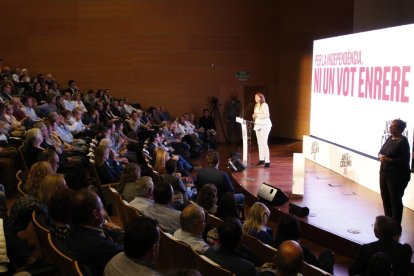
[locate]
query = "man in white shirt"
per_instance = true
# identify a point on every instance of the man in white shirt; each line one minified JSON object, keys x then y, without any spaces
{"x":161,"y":210}
{"x":193,"y":221}
{"x":144,"y":189}
{"x":28,"y":110}
{"x":67,"y":102}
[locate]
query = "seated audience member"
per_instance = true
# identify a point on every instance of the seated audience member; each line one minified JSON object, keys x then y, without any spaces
{"x":49,"y":106}
{"x":9,"y":162}
{"x":224,"y":253}
{"x":144,"y":190}
{"x":379,"y":265}
{"x":108,"y":171}
{"x":119,"y":131}
{"x":106,"y":114}
{"x":54,"y":89}
{"x":17,"y":128}
{"x":161,"y":157}
{"x":17,"y":112}
{"x":126,"y":187}
{"x":31,"y":147}
{"x":133,"y":122}
{"x":28,"y":110}
{"x":58,"y":209}
{"x":207,"y":198}
{"x":90,"y":242}
{"x":212,"y":174}
{"x":161,"y":210}
{"x":128,"y":108}
{"x":174,"y":179}
{"x":67,"y":102}
{"x":6,"y":92}
{"x":385,"y":229}
{"x":51,"y":157}
{"x":227,"y":207}
{"x":288,"y":229}
{"x":65,"y":134}
{"x":289,"y":260}
{"x":256,"y":223}
{"x":192,"y":220}
{"x":37,"y":172}
{"x":141,"y":243}
{"x":77,"y":101}
{"x":21,"y":212}
{"x":180,"y":148}
{"x":37,"y":93}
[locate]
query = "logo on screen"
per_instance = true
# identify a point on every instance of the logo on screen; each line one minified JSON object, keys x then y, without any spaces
{"x":346,"y":162}
{"x":314,"y":149}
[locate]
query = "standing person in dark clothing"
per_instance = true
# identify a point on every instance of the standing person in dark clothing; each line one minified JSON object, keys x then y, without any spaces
{"x":206,"y":122}
{"x":232,"y":110}
{"x":395,"y":170}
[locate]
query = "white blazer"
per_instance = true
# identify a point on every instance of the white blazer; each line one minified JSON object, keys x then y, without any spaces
{"x":262,"y":116}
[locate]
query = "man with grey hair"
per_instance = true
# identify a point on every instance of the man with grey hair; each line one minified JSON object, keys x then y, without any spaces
{"x":144,"y":187}
{"x":193,"y":221}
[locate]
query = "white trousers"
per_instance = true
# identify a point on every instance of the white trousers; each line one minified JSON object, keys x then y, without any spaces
{"x":262,"y":135}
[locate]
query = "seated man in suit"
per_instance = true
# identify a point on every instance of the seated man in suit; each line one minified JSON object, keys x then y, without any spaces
{"x":161,"y":210}
{"x":141,"y":243}
{"x":230,"y":232}
{"x":385,"y":229}
{"x":90,"y":241}
{"x":212,"y":174}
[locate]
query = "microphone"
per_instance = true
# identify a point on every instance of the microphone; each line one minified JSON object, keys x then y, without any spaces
{"x":244,"y":110}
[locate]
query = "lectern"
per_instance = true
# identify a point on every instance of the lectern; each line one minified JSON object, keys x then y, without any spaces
{"x":247,"y":127}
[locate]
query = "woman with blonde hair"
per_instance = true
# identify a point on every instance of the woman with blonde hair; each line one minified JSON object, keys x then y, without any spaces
{"x":37,"y":173}
{"x":161,"y":157}
{"x":256,"y":221}
{"x":49,"y":185}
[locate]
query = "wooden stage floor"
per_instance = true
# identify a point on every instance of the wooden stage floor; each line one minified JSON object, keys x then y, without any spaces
{"x":341,"y":211}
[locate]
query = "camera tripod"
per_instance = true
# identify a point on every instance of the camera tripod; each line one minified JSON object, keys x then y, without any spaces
{"x":215,"y":113}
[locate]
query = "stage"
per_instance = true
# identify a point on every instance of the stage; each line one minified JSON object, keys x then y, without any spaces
{"x":341,"y":211}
